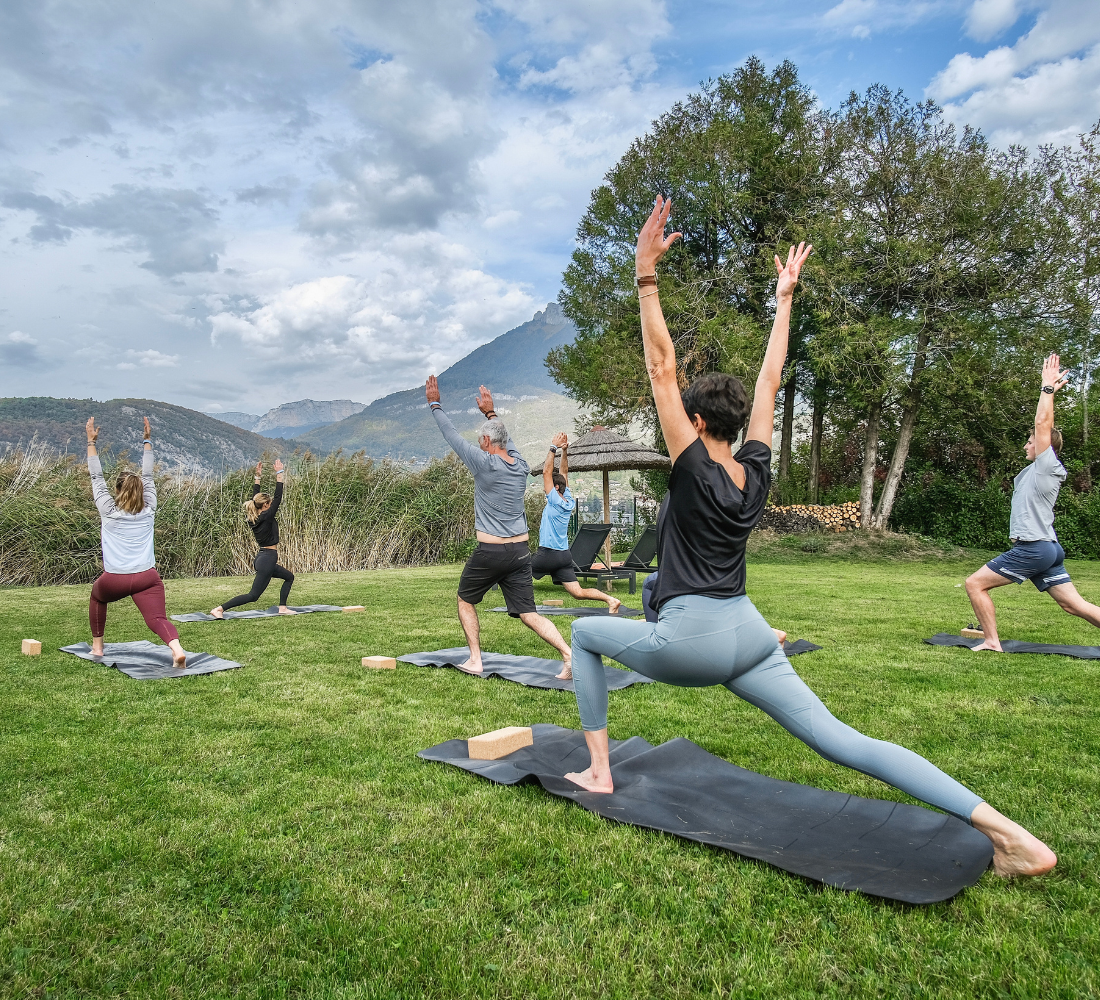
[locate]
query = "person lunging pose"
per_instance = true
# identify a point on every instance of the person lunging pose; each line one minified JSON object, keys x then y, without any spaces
{"x":553,"y":557}
{"x":260,"y":513}
{"x":126,"y":534}
{"x":1035,"y":554}
{"x":707,"y":630}
{"x":502,"y":555}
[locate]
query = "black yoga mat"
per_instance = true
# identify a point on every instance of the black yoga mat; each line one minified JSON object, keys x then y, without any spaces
{"x":799,"y":646}
{"x":881,"y":848}
{"x":272,"y":612}
{"x":146,"y":661}
{"x":1013,"y":646}
{"x":530,"y":671}
{"x":623,"y":612}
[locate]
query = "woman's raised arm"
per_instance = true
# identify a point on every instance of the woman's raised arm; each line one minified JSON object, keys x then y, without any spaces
{"x":762,"y":420}
{"x":660,"y":355}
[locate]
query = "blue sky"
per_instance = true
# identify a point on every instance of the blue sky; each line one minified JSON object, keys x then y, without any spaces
{"x":229,"y":209}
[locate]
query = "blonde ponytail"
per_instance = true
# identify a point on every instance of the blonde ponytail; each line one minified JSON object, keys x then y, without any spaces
{"x":254,"y":507}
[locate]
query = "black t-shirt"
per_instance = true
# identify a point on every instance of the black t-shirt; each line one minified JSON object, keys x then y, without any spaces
{"x":705,"y":522}
{"x":265,"y":527}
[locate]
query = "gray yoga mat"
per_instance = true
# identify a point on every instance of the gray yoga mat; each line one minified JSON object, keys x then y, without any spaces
{"x":623,"y":612}
{"x":530,"y":671}
{"x":881,"y":848}
{"x":146,"y":661}
{"x":272,"y":612}
{"x":1013,"y":646}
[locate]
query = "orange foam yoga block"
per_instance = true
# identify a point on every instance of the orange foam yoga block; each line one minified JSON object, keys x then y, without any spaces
{"x":380,"y":662}
{"x":499,"y":743}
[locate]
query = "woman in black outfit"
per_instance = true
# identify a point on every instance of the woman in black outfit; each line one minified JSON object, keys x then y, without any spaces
{"x":261,"y":511}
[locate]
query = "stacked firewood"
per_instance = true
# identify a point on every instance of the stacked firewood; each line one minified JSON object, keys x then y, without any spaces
{"x":811,"y":517}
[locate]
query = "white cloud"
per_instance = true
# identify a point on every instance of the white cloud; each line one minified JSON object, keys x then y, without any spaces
{"x":149,"y":359}
{"x":19,"y":337}
{"x":986,"y":19}
{"x":1045,"y":87}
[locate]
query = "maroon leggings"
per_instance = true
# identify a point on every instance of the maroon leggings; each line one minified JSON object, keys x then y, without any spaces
{"x":147,"y":590}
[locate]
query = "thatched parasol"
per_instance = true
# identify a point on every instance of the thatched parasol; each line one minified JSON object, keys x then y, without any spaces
{"x":606,"y":451}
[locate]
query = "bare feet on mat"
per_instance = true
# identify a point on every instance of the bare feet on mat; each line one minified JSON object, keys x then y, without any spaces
{"x":1015,"y":851}
{"x":566,"y":669}
{"x":470,"y":667}
{"x":780,"y":635}
{"x":97,"y":646}
{"x":993,"y":645}
{"x":613,"y":606}
{"x":589,"y":783}
{"x":218,"y":613}
{"x":284,"y":610}
{"x":179,"y":656}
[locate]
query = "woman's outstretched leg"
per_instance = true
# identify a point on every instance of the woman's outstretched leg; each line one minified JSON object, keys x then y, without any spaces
{"x":149,"y":596}
{"x":282,"y":573}
{"x":774,"y":687}
{"x":264,"y":566}
{"x":97,"y":616}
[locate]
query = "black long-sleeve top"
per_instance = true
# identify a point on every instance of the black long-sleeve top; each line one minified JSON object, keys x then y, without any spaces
{"x":265,"y":527}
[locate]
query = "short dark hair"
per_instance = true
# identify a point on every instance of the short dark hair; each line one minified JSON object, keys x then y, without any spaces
{"x":560,"y":482}
{"x":1056,"y":440}
{"x":721,"y":401}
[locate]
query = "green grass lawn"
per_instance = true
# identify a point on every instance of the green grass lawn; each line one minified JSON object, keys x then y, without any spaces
{"x":269,"y":831}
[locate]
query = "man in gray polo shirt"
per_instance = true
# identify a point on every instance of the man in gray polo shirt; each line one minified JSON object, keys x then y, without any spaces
{"x":502,"y":555}
{"x":1035,"y":554}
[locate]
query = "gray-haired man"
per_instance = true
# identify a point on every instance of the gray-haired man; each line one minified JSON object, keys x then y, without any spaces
{"x":502,"y":555}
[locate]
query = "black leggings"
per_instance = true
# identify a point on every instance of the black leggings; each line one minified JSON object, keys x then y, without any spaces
{"x":266,"y":565}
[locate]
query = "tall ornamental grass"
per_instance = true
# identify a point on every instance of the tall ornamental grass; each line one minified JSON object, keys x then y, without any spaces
{"x":342,"y":513}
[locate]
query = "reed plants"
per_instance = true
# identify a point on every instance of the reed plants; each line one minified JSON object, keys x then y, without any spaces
{"x":340,"y":513}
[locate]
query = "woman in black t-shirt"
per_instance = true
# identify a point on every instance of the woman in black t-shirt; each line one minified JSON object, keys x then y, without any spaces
{"x":708,"y":631}
{"x":260,"y":513}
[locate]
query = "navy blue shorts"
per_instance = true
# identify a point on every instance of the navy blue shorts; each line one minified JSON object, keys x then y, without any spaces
{"x":1040,"y":562}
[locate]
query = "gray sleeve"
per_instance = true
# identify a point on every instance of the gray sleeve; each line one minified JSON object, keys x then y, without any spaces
{"x":1047,"y":464}
{"x":148,"y":483}
{"x":104,"y":502}
{"x":473,"y":457}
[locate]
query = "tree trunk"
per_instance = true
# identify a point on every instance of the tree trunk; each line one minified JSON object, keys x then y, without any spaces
{"x":905,"y":434}
{"x":870,"y":458}
{"x":815,"y":446}
{"x":789,"y":392}
{"x":897,"y":465}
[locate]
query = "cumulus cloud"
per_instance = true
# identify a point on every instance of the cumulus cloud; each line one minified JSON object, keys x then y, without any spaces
{"x":1045,"y":87}
{"x":986,"y":19}
{"x":862,"y":18}
{"x":148,"y":359}
{"x":405,"y":321}
{"x":176,"y":228}
{"x":20,"y":350}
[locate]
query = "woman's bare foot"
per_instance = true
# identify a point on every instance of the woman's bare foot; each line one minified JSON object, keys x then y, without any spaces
{"x":613,"y":606}
{"x":179,"y":656}
{"x":218,"y":613}
{"x":1015,"y":851}
{"x":780,"y":635}
{"x":470,"y":667}
{"x":993,"y":645}
{"x":591,"y":783}
{"x":97,"y":646}
{"x":284,"y":610}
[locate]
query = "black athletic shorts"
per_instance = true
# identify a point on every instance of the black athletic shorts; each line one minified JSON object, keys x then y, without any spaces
{"x":508,"y":564}
{"x":558,"y":563}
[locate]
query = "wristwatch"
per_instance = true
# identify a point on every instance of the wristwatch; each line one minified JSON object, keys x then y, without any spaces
{"x":1048,"y":388}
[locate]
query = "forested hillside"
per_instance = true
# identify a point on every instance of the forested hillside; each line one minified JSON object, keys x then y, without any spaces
{"x":181,"y":436}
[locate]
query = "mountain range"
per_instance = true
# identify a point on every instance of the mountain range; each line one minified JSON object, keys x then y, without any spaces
{"x":528,"y":400}
{"x":398,"y":426}
{"x":292,"y":419}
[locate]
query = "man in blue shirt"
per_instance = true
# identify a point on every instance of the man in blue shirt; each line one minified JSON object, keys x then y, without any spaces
{"x":553,"y":557}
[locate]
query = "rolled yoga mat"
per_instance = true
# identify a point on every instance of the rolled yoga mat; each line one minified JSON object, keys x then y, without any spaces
{"x":623,"y":612}
{"x":146,"y":661}
{"x":1013,"y":646}
{"x":530,"y":671}
{"x":880,"y":848}
{"x":272,"y":612}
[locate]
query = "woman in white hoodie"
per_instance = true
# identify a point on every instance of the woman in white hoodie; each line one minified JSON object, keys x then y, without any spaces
{"x":126,"y":533}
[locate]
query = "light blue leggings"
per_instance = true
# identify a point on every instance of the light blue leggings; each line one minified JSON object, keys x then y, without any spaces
{"x":701,"y":641}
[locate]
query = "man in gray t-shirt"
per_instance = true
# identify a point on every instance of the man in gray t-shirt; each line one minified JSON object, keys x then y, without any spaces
{"x":502,"y":555}
{"x":1035,"y":554}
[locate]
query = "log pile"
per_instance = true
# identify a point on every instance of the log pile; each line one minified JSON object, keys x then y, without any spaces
{"x":801,"y":517}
